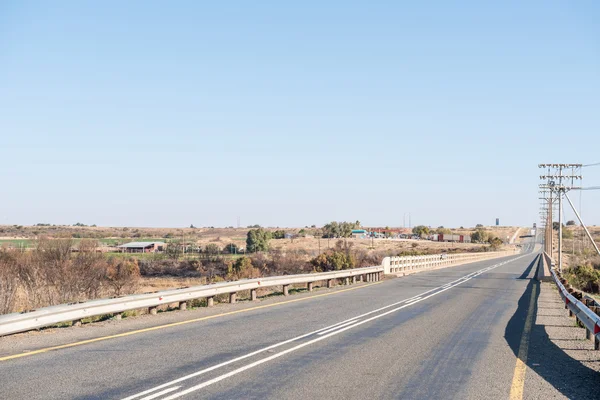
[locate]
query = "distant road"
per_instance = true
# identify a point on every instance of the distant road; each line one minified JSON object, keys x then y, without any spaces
{"x":449,"y":333}
{"x":514,"y":237}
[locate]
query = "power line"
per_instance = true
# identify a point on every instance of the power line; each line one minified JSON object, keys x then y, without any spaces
{"x":591,"y":165}
{"x":589,"y":188}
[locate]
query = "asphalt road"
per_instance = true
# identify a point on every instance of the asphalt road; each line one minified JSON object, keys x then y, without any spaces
{"x":449,"y":333}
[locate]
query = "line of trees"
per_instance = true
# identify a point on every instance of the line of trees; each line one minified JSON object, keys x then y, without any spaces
{"x":343,"y":229}
{"x":482,"y":236}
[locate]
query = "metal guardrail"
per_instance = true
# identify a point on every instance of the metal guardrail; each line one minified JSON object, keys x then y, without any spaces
{"x":395,"y":265}
{"x":588,"y":318}
{"x":47,"y":316}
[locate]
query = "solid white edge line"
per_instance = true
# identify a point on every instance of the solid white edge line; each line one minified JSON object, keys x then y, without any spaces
{"x":176,"y":395}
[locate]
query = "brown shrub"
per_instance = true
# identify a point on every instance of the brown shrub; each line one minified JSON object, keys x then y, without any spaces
{"x":123,"y":275}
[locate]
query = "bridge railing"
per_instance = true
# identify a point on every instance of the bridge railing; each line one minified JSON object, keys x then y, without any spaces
{"x":409,"y":264}
{"x":48,"y":316}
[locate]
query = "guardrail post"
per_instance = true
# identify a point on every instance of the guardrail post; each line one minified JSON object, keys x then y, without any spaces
{"x":329,"y":283}
{"x":118,"y":316}
{"x":183,"y":305}
{"x":588,"y":334}
{"x":570,"y":313}
{"x":285,"y":290}
{"x":309,"y":286}
{"x":253,"y":294}
{"x":77,"y":322}
{"x":596,"y":343}
{"x":346,"y":281}
{"x":210,"y":301}
{"x":153,"y":310}
{"x":354,"y":279}
{"x":232,"y":297}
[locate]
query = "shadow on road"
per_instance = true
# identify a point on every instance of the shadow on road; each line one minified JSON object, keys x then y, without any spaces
{"x":527,"y":271}
{"x":567,"y":375}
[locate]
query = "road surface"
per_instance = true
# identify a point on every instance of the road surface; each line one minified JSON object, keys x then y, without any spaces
{"x":450,"y":333}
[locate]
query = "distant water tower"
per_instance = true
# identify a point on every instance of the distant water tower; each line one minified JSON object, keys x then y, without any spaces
{"x":497,"y":221}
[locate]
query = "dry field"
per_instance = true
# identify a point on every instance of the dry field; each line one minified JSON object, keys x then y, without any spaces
{"x":302,"y":248}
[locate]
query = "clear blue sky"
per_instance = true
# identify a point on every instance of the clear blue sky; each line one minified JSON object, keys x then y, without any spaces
{"x":167,"y":114}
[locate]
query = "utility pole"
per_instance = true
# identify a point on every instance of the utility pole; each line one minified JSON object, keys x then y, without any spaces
{"x":560,"y":192}
{"x":557,"y":178}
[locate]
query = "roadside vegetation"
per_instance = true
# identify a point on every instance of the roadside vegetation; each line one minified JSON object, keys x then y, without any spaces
{"x":582,"y":261}
{"x":584,"y":273}
{"x":51,"y":274}
{"x":70,"y":265}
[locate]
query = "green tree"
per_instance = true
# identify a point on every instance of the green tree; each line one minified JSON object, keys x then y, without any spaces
{"x":212,"y":249}
{"x":570,"y":223}
{"x":333,"y":261}
{"x":479,"y":236}
{"x":331,"y":230}
{"x":231,"y":248}
{"x":442,"y":230}
{"x":495,"y":243}
{"x":336,"y":229}
{"x":478,"y":226}
{"x":257,"y":240}
{"x":241,"y":265}
{"x":278,"y":234}
{"x":420,"y":230}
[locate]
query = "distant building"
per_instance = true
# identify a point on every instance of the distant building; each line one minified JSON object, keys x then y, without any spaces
{"x":359,"y":234}
{"x":142,"y":247}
